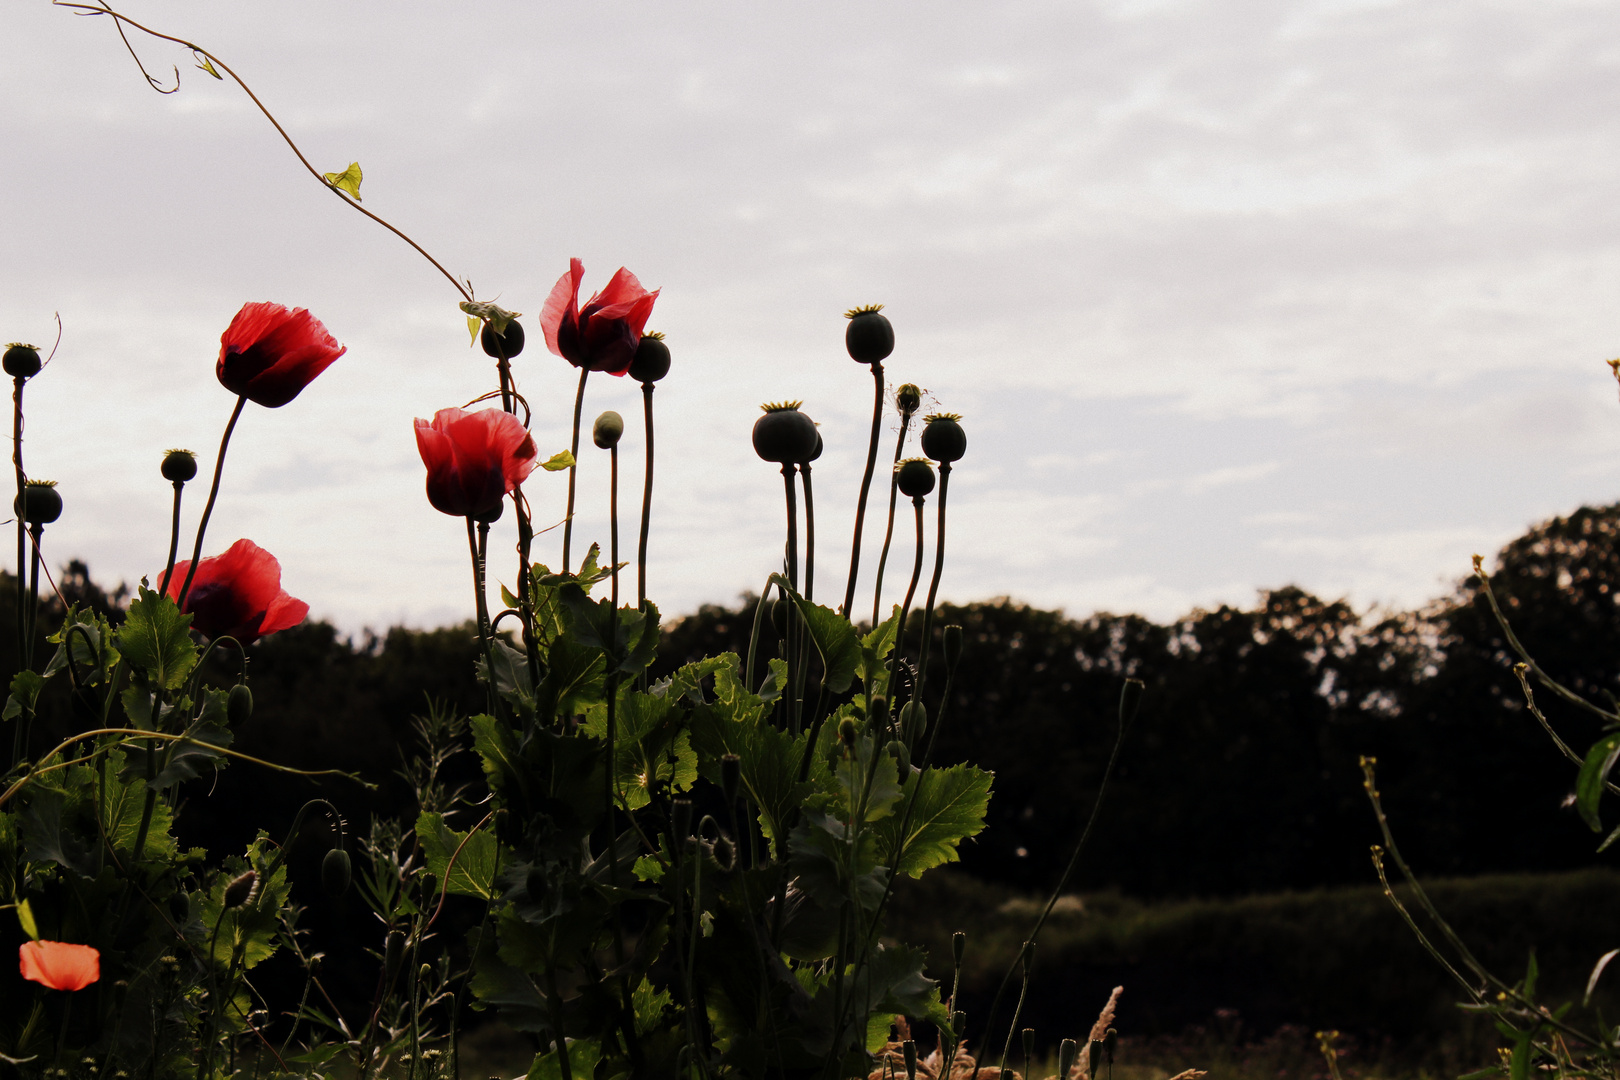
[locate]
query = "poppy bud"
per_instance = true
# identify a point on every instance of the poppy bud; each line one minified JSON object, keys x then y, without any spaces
{"x":958,"y":947}
{"x":730,"y":776}
{"x":1093,"y":1056}
{"x":393,"y":954}
{"x":784,"y":434}
{"x":681,"y":818}
{"x":847,"y":731}
{"x":868,"y":337}
{"x":1110,"y":1037}
{"x":336,"y":871}
{"x":510,"y":343}
{"x":534,"y":883}
{"x":239,"y":706}
{"x":241,"y":889}
{"x":725,"y":853}
{"x":958,"y":1024}
{"x":40,"y":503}
{"x":180,"y":909}
{"x":21,"y":361}
{"x":908,"y":1050}
{"x":605,"y":433}
{"x":878,"y":713}
{"x":915,"y":477}
{"x":1029,"y":1043}
{"x":953,"y":645}
{"x":1067,"y":1051}
{"x":651,"y":361}
{"x":908,"y":399}
{"x":913,"y":721}
{"x":179,"y":465}
{"x":898,"y":751}
{"x":943,"y":438}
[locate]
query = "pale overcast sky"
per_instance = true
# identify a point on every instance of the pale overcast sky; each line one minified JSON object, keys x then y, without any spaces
{"x":1231,"y":295}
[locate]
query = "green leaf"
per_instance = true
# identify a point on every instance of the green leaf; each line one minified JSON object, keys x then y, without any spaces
{"x":204,"y":64}
{"x":1531,"y":971}
{"x":1597,"y":973}
{"x":834,"y":637}
{"x":947,"y":806}
{"x":474,"y":327}
{"x":251,"y":930}
{"x":648,"y":868}
{"x":687,"y":680}
{"x":1589,"y":783}
{"x":199,"y":749}
{"x":347,"y":181}
{"x":25,"y":688}
{"x":155,"y":640}
{"x":25,"y":918}
{"x":473,"y":872}
{"x":648,"y":731}
{"x":875,"y":647}
{"x":559,"y":461}
{"x":583,"y":1054}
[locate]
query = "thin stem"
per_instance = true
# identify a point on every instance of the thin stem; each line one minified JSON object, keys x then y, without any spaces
{"x":866,"y":484}
{"x":905,"y":608}
{"x":888,"y":533}
{"x":213,"y":494}
{"x":22,"y":539}
{"x":482,"y":609}
{"x":613,"y":523}
{"x":1023,"y":990}
{"x":792,"y":554}
{"x":933,"y":584}
{"x":809,"y":534}
{"x":573,"y":449}
{"x":646,"y":497}
{"x":174,"y":538}
{"x":37,"y":532}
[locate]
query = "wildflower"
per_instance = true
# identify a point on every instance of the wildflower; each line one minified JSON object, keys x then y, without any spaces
{"x":268,"y":353}
{"x":238,"y":593}
{"x":473,"y":459}
{"x":59,"y":965}
{"x":603,"y":335}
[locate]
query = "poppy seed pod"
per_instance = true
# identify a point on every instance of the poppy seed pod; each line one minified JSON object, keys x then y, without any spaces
{"x":784,"y":434}
{"x":953,"y":645}
{"x":40,"y":503}
{"x":958,"y":1023}
{"x":1130,"y":699}
{"x":178,"y":465}
{"x":651,"y":361}
{"x":241,"y":889}
{"x":908,"y":399}
{"x":607,"y":430}
{"x":1067,"y":1051}
{"x":943,"y":438}
{"x":868,"y":337}
{"x":681,"y":818}
{"x":336,"y":870}
{"x":915,"y":477}
{"x":21,"y":361}
{"x":393,"y":954}
{"x":958,"y":947}
{"x":897,"y":750}
{"x":1093,"y":1056}
{"x":730,"y":776}
{"x":239,"y":705}
{"x":1029,"y":1043}
{"x":908,"y":1050}
{"x":913,"y":721}
{"x":509,"y":344}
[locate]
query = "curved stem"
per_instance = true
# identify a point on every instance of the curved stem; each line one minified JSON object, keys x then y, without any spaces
{"x":573,"y":449}
{"x":933,"y":585}
{"x":888,"y":533}
{"x":22,"y":539}
{"x":174,"y":540}
{"x":866,"y":484}
{"x":208,"y":509}
{"x":646,"y":497}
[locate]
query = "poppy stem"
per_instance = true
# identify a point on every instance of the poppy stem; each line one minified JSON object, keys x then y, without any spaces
{"x":482,"y":610}
{"x":792,"y":526}
{"x":888,"y":534}
{"x":905,"y":608}
{"x":646,"y":497}
{"x":213,"y":494}
{"x":35,"y":531}
{"x":866,"y":485}
{"x":573,"y":449}
{"x":613,"y":527}
{"x":525,"y":581}
{"x":22,"y":539}
{"x":809,"y":533}
{"x":174,"y":539}
{"x":933,"y":585}
{"x":790,"y":623}
{"x":503,"y":371}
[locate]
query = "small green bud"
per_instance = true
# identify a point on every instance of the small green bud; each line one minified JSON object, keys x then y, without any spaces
{"x":180,"y":909}
{"x":908,"y":399}
{"x":959,"y":1024}
{"x":953,"y":645}
{"x":1110,"y":1038}
{"x":336,"y":870}
{"x":725,"y":853}
{"x":897,"y":750}
{"x":239,"y":706}
{"x":178,"y":465}
{"x":1130,"y":699}
{"x":913,"y":721}
{"x":21,"y":361}
{"x":607,"y":430}
{"x":847,"y":730}
{"x":730,"y":776}
{"x":241,"y":889}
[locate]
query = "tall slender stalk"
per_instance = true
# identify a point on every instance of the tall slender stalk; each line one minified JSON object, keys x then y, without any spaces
{"x":22,"y":537}
{"x":613,"y":527}
{"x":790,"y":622}
{"x":213,"y":494}
{"x":482,"y":607}
{"x":646,"y":497}
{"x":573,"y":448}
{"x":898,"y":651}
{"x":174,"y":539}
{"x":933,"y":584}
{"x":809,"y":533}
{"x":866,"y":485}
{"x":36,"y":532}
{"x":888,"y":532}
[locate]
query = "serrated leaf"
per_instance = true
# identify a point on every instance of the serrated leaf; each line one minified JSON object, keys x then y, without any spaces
{"x":25,"y":688}
{"x":834,"y":637}
{"x":1589,"y":782}
{"x":875,"y":646}
{"x":155,"y":640}
{"x":347,"y":181}
{"x":559,"y":461}
{"x":583,"y":1055}
{"x":648,"y":868}
{"x":947,"y":806}
{"x":474,"y":870}
{"x":249,"y":931}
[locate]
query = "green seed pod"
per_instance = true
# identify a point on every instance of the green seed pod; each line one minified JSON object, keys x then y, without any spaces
{"x":847,"y":730}
{"x":908,"y":399}
{"x":943,"y":438}
{"x":336,"y":870}
{"x":1068,"y":1050}
{"x":21,"y":361}
{"x":1029,"y":1043}
{"x":239,"y":706}
{"x":953,"y":645}
{"x":607,"y":430}
{"x":868,"y":337}
{"x":534,"y":883}
{"x":913,"y":721}
{"x":897,"y":750}
{"x":393,"y":954}
{"x":878,"y":713}
{"x":1094,"y":1050}
{"x":908,"y":1051}
{"x":40,"y":503}
{"x":1110,"y":1038}
{"x":915,"y":477}
{"x":784,"y":434}
{"x":730,"y":776}
{"x":959,"y":1024}
{"x":651,"y":361}
{"x":681,"y":818}
{"x":241,"y":889}
{"x":178,"y":465}
{"x":958,"y":947}
{"x":509,"y":343}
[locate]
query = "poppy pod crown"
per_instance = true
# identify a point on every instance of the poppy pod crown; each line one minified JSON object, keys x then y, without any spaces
{"x":605,"y":333}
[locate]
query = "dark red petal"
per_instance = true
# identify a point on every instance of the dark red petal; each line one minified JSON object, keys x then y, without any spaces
{"x":559,"y":317}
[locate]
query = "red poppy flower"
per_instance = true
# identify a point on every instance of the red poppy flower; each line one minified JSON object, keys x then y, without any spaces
{"x":473,"y":459}
{"x":238,"y":593}
{"x":58,"y":965}
{"x":603,"y":335}
{"x":269,"y":353}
